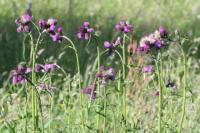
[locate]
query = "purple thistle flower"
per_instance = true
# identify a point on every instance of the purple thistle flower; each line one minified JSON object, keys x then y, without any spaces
{"x":49,"y":67}
{"x":38,"y":68}
{"x":106,"y":74}
{"x":42,"y":24}
{"x":154,"y":40}
{"x":18,"y":75}
{"x":117,"y":42}
{"x":14,"y":79}
{"x":85,"y":31}
{"x":111,"y":46}
{"x":90,"y":91}
{"x":51,"y":21}
{"x":20,"y":69}
{"x":28,"y":70}
{"x":163,"y":32}
{"x":23,"y":23}
{"x":147,"y":69}
{"x":124,"y":27}
{"x":57,"y":36}
{"x":107,"y":45}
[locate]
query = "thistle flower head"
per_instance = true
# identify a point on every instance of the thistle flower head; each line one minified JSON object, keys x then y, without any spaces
{"x":18,"y":75}
{"x":90,"y":91}
{"x":56,"y":36}
{"x":106,"y":74}
{"x":147,"y":69}
{"x":23,"y":23}
{"x":85,"y":31}
{"x":124,"y":27}
{"x":153,"y":40}
{"x":38,"y":68}
{"x":111,"y":46}
{"x":49,"y":67}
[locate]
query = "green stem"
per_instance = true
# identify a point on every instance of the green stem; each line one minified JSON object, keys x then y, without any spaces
{"x":160,"y":96}
{"x":69,"y":107}
{"x":184,"y":92}
{"x":105,"y":104}
{"x":98,"y":85}
{"x":79,"y":79}
{"x":26,"y":118}
{"x":33,"y":79}
{"x":33,"y":90}
{"x":124,"y":77}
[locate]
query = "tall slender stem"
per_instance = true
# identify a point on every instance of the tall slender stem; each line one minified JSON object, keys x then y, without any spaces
{"x":98,"y":84}
{"x":33,"y":90}
{"x":105,"y":105}
{"x":79,"y":79}
{"x":160,"y":95}
{"x":124,"y":78}
{"x":184,"y":91}
{"x":33,"y":79}
{"x":69,"y":107}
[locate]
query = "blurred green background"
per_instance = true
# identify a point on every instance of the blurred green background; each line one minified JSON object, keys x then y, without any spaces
{"x":146,"y":15}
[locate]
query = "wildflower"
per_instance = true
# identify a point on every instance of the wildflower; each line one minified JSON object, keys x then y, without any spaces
{"x":23,"y":23}
{"x":49,"y":67}
{"x":163,"y":32}
{"x":111,"y":46}
{"x":123,"y":26}
{"x":48,"y":25}
{"x":106,"y":74}
{"x":153,"y":40}
{"x":84,"y":31}
{"x":170,"y":84}
{"x":38,"y":68}
{"x":42,"y":24}
{"x":147,"y":69}
{"x":18,"y":75}
{"x":57,"y":36}
{"x":28,"y":70}
{"x":91,"y":91}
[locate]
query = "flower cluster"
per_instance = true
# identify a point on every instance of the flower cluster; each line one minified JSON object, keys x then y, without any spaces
{"x":154,"y":40}
{"x":85,"y":31}
{"x":91,"y":91}
{"x":124,"y":27}
{"x":106,"y":74}
{"x":147,"y":69}
{"x":46,"y":68}
{"x":50,"y":26}
{"x":18,"y":74}
{"x":111,"y":46}
{"x":23,"y":23}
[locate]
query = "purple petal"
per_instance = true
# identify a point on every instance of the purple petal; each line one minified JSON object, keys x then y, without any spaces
{"x":107,"y":44}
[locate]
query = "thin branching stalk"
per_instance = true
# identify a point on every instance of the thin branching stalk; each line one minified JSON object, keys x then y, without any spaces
{"x":124,"y":78}
{"x":184,"y":90}
{"x":79,"y":79}
{"x":69,"y":107}
{"x":104,"y":107}
{"x":33,"y":79}
{"x":158,"y":71}
{"x":26,"y":108}
{"x":98,"y":82}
